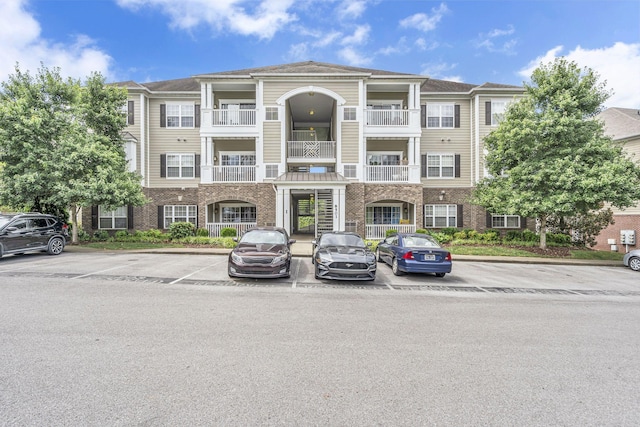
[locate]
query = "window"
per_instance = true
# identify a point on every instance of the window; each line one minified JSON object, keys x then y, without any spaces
{"x":440,"y":165}
{"x":271,"y":171}
{"x":271,"y":113}
{"x":383,"y":214}
{"x":238,"y":214}
{"x":440,"y":115}
{"x":350,"y":171}
{"x":349,"y":113}
{"x":440,"y":216}
{"x":237,"y":159}
{"x":180,"y":115}
{"x":180,"y":213}
{"x":112,"y":219}
{"x":505,"y":221}
{"x":181,"y":165}
{"x":375,"y":159}
{"x":498,"y":107}
{"x":130,"y":154}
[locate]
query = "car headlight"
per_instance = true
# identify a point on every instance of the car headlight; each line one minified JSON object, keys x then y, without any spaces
{"x":322,"y":258}
{"x":280,"y":259}
{"x":236,"y":258}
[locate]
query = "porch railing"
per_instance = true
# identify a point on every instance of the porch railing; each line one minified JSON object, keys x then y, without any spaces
{"x":311,"y":150}
{"x":215,"y":227}
{"x":234,"y":174}
{"x":387,"y":117}
{"x":393,"y":173}
{"x":234,"y":117}
{"x":379,"y":231}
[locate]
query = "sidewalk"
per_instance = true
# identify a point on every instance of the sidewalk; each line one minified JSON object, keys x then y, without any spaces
{"x":304,"y":249}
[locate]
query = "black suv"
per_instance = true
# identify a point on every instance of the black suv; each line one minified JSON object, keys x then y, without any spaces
{"x":26,"y":232}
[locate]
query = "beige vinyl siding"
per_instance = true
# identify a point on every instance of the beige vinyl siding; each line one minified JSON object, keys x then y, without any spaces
{"x":233,"y":146}
{"x":388,"y":96}
{"x":456,"y":141}
{"x":272,"y":142}
{"x":165,"y":140}
{"x":387,"y":146}
{"x":347,"y":89}
{"x":350,"y":142}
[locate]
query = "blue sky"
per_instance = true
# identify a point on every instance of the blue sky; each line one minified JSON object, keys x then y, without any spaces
{"x":468,"y":41}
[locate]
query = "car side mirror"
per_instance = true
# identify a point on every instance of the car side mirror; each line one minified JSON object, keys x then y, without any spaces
{"x":313,"y":242}
{"x":11,"y":229}
{"x":235,"y":239}
{"x":292,"y":241}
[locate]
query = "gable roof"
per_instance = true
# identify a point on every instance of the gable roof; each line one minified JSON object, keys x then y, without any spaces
{"x":621,"y":123}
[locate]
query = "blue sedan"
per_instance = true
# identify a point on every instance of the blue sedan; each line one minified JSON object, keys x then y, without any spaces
{"x":414,"y":253}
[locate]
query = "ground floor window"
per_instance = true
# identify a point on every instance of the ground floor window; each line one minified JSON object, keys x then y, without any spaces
{"x":238,"y":214}
{"x":112,"y":219}
{"x":505,"y":221}
{"x":383,"y":214}
{"x":440,"y":216}
{"x":180,"y":213}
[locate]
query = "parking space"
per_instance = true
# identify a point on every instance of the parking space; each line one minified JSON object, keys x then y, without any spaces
{"x":211,"y":270}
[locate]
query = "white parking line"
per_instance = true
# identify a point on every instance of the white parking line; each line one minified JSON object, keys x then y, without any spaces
{"x":102,"y":271}
{"x":295,"y":279}
{"x":197,"y":271}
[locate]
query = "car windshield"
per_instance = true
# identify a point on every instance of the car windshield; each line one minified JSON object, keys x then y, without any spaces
{"x":4,"y":220}
{"x":341,"y":240}
{"x":420,"y":242}
{"x":264,"y":236}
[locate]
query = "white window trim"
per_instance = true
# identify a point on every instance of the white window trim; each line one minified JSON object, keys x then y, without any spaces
{"x":349,"y":108}
{"x":440,"y":176}
{"x":433,"y":217}
{"x":180,"y":104}
{"x":237,"y":205}
{"x":267,"y":109}
{"x":238,"y":153}
{"x":181,"y":166}
{"x":440,"y":116}
{"x":506,"y":101}
{"x":372,"y":102}
{"x":113,"y":219}
{"x":382,"y":204}
{"x":237,"y":102}
{"x":173,"y":214}
{"x":505,"y":220}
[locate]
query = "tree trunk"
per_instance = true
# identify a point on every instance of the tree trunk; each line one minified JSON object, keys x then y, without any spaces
{"x":543,"y":232}
{"x":74,"y":224}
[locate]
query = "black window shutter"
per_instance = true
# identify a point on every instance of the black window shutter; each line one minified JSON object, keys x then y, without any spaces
{"x":459,"y":215}
{"x":163,"y":165}
{"x":130,"y":113}
{"x":130,"y":217}
{"x":487,"y":113}
{"x":163,"y":115}
{"x":94,"y":217}
{"x":489,"y":222}
{"x":423,"y":165}
{"x":423,"y":116}
{"x":523,"y":222}
{"x":197,"y":165}
{"x":456,"y":117}
{"x":160,"y":217}
{"x":457,"y":166}
{"x":197,"y":115}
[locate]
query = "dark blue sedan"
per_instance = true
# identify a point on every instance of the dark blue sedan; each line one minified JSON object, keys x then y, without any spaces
{"x":414,"y":253}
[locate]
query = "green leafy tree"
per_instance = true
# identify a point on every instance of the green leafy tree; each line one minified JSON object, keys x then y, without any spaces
{"x":550,"y":156}
{"x":61,"y":145}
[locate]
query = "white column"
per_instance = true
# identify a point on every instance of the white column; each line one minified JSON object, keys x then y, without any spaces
{"x":206,"y":159}
{"x":279,"y":207}
{"x":339,"y":208}
{"x":143,"y":141}
{"x":286,"y":200}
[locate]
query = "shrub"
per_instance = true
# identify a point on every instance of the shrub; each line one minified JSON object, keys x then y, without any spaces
{"x":101,"y":235}
{"x":122,"y":235}
{"x":488,"y":236}
{"x":442,"y":238}
{"x":530,"y":236}
{"x":422,"y":231}
{"x":390,"y":232}
{"x":153,"y":233}
{"x":460,"y":235}
{"x":559,"y":238}
{"x":228,"y":232}
{"x":83,"y":236}
{"x":180,"y":230}
{"x":449,"y":231}
{"x":202,"y":232}
{"x":513,"y":235}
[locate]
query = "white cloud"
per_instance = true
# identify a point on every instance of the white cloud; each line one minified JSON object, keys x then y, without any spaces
{"x":351,"y":9}
{"x":421,"y":44}
{"x":359,"y":36}
{"x":494,"y":41}
{"x":21,"y":42}
{"x":440,"y":71}
{"x":354,"y":58}
{"x":245,"y":17}
{"x":424,"y":22}
{"x":619,"y":65}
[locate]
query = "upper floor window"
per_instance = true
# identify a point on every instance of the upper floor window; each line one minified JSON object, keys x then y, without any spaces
{"x":271,"y":113}
{"x":498,"y":107}
{"x":441,"y":165}
{"x":181,"y":165}
{"x":180,"y":115}
{"x":440,"y":115}
{"x":349,"y":113}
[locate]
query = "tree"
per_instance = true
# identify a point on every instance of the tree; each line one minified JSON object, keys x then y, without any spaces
{"x":550,"y":156}
{"x":61,"y":145}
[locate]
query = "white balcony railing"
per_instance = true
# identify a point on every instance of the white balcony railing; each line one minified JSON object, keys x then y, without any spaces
{"x":215,"y":227}
{"x":234,"y":117}
{"x":234,"y":174}
{"x":379,"y":231}
{"x":394,"y":173}
{"x":387,"y":117}
{"x":311,"y":150}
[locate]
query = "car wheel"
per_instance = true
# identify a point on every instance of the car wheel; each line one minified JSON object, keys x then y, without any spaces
{"x":56,"y":245}
{"x":440,"y":274}
{"x":395,"y":268}
{"x":315,"y":273}
{"x":634,"y":263}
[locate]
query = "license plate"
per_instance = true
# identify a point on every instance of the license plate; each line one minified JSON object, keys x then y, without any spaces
{"x":429,"y":257}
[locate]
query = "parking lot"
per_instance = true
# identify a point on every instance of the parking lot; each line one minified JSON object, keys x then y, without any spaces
{"x":211,"y":270}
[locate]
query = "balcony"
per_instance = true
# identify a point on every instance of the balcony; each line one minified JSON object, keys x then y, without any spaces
{"x":392,"y":173}
{"x":392,"y":122}
{"x":225,"y":122}
{"x":311,"y":150}
{"x":234,"y":173}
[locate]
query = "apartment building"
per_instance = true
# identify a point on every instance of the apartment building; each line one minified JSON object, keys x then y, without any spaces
{"x":310,"y":147}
